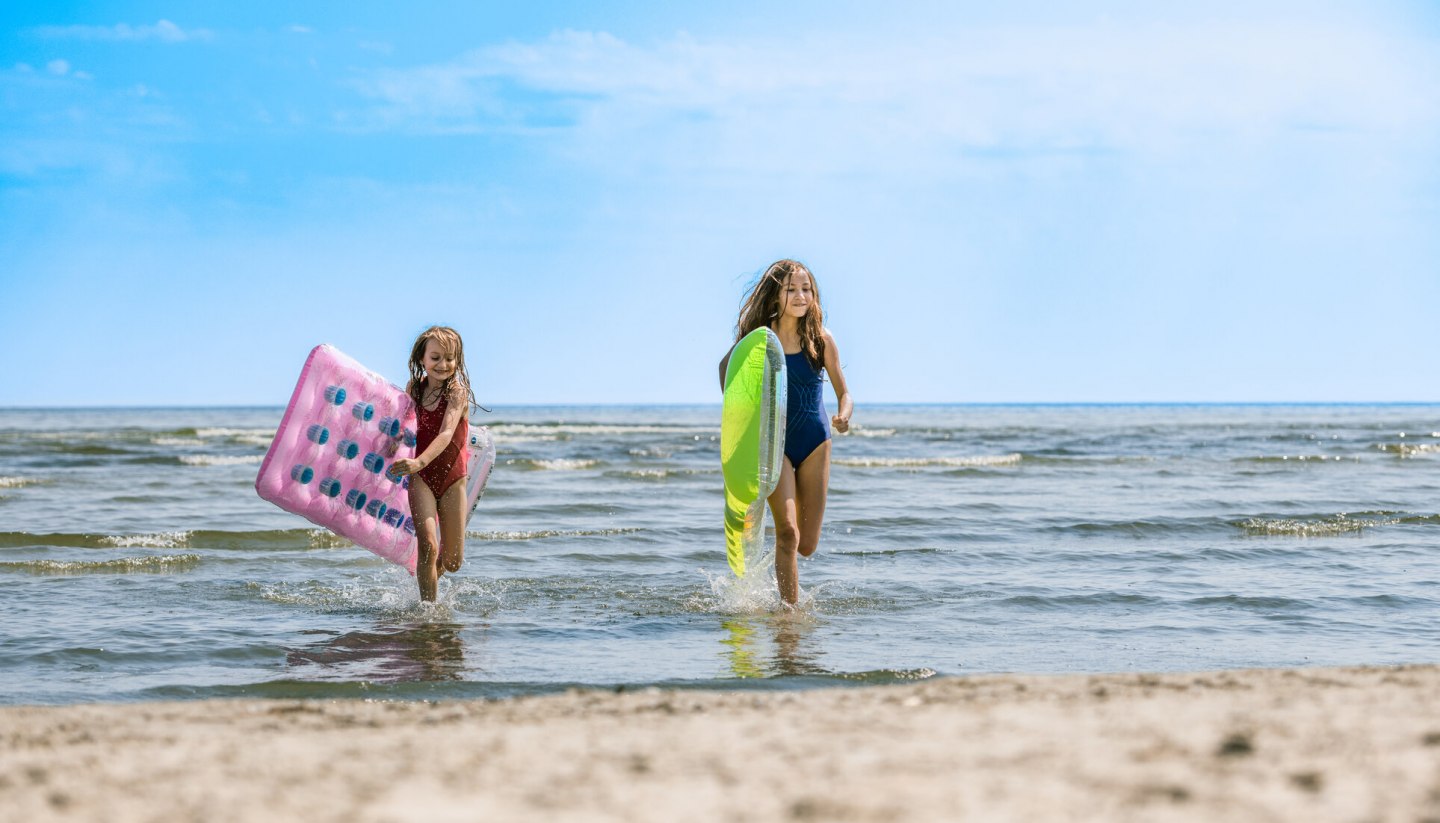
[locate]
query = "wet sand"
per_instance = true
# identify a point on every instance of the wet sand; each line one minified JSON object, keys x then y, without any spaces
{"x":1355,"y":744}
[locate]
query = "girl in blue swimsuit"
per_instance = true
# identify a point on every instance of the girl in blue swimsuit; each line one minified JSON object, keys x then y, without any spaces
{"x":787,"y":299}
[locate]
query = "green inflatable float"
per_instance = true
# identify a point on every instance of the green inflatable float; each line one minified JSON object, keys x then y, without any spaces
{"x":752,"y":441}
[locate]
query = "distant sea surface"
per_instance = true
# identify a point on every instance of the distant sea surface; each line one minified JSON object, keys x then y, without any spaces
{"x":137,"y":562}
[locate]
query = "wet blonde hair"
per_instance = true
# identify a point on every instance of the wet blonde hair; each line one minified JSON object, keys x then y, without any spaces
{"x":762,"y":307}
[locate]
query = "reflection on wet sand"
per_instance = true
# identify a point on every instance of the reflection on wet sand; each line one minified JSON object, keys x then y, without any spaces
{"x":393,"y":654}
{"x":791,"y":649}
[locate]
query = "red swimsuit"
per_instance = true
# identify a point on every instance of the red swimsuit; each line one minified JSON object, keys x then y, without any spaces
{"x":453,"y":463}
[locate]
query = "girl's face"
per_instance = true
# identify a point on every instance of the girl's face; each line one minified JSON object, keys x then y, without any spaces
{"x":438,"y":361}
{"x":796,"y":295}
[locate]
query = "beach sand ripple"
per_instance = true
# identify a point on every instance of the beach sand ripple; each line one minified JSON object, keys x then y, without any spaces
{"x":1282,"y":744}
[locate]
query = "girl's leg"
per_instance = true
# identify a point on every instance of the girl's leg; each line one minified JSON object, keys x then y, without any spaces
{"x":452,"y":528}
{"x":427,"y":528}
{"x":812,"y":484}
{"x":787,"y":534}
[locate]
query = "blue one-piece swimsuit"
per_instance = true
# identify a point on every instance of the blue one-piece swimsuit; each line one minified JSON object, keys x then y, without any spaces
{"x":806,"y":424}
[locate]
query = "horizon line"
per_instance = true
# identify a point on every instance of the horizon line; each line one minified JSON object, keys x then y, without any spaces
{"x":717,"y":404}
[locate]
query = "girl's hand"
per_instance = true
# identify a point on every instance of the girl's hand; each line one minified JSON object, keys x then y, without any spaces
{"x":841,"y":422}
{"x":404,"y":466}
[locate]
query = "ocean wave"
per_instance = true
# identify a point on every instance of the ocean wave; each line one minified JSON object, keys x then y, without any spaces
{"x":158,"y":540}
{"x":650,"y":451}
{"x":157,"y":563}
{"x":1296,"y":458}
{"x":172,"y":442}
{"x":132,"y":434}
{"x":556,"y":464}
{"x":325,"y":539}
{"x":1408,"y":449}
{"x":541,"y":534}
{"x":862,"y":431}
{"x":221,"y":460}
{"x":502,"y":441}
{"x":642,"y":474}
{"x":922,"y":462}
{"x":1139,"y":528}
{"x":1041,"y":602}
{"x":266,"y":434}
{"x":659,"y":474}
{"x":292,"y":539}
{"x":22,"y":482}
{"x":566,"y":431}
{"x":1318,"y":527}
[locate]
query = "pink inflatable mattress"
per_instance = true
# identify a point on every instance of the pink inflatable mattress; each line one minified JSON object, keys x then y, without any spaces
{"x":343,"y":428}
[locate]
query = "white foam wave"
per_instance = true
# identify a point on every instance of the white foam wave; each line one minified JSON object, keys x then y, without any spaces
{"x":159,"y":540}
{"x":1409,"y":450}
{"x":650,"y":451}
{"x":572,"y":429}
{"x":861,"y":431}
{"x":647,"y":474}
{"x":220,"y":460}
{"x":122,"y":564}
{"x":921,"y":462}
{"x":558,"y":464}
{"x":544,"y":533}
{"x":267,"y":434}
{"x":324,"y":539}
{"x":510,"y":439}
{"x":1328,"y":527}
{"x":20,"y":482}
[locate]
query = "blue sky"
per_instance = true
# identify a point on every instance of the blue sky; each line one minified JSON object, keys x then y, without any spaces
{"x":1096,"y":202}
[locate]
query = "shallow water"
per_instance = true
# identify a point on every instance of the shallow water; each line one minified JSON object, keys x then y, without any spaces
{"x":136,"y":561}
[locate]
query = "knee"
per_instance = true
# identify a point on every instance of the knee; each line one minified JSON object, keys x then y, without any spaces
{"x":807,"y":547}
{"x":453,"y":564}
{"x":787,"y":537}
{"x":429,"y":551}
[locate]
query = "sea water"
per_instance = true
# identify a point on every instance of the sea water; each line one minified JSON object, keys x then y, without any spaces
{"x":137,"y":563}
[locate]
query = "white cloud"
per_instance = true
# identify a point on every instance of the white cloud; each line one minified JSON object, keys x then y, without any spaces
{"x":1074,"y":89}
{"x":60,"y":68}
{"x":164,"y":31}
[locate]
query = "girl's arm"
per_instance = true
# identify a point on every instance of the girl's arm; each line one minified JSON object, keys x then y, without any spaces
{"x":841,"y":418}
{"x":459,"y":402}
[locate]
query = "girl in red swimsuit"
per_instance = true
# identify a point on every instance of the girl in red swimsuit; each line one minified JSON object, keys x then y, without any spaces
{"x":440,"y":387}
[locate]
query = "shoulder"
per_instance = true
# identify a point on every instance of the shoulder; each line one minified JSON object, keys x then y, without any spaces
{"x":410,"y":386}
{"x":457,"y":392}
{"x":827,"y":337}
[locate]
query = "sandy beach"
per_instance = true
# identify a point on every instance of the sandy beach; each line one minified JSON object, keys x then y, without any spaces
{"x":1354,"y":744}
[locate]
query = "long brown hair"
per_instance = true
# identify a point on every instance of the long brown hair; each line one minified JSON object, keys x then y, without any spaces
{"x":762,"y":307}
{"x":449,"y":340}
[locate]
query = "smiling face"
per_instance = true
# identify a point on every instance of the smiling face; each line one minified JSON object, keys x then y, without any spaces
{"x":438,"y":361}
{"x":797,"y":295}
